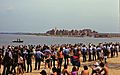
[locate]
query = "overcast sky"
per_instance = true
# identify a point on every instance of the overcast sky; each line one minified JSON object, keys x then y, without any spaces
{"x":43,"y":15}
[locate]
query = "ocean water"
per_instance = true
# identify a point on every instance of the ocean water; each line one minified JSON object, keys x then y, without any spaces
{"x":6,"y":39}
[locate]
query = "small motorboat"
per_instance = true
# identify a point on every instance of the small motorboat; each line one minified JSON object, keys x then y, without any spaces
{"x":17,"y":41}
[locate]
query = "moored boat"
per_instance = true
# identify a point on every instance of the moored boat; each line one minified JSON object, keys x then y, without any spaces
{"x":17,"y":41}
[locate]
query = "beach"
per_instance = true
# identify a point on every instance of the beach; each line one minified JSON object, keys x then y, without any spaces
{"x":113,"y":64}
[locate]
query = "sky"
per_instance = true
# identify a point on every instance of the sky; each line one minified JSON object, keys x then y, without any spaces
{"x":43,"y":15}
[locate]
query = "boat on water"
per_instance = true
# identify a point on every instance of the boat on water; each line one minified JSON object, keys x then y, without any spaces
{"x":17,"y":41}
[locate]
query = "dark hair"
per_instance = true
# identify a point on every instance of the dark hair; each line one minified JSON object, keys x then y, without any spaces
{"x":61,"y":49}
{"x":43,"y":72}
{"x":74,"y":68}
{"x":102,"y":64}
{"x":47,"y":47}
{"x":54,"y":69}
{"x":85,"y":67}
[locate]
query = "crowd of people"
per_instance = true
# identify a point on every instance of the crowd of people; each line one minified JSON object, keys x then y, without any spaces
{"x":54,"y":56}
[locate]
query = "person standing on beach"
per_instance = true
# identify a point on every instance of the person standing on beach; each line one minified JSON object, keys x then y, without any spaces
{"x":84,"y":53}
{"x":38,"y":56}
{"x":24,"y":54}
{"x":47,"y":55}
{"x":98,"y":52}
{"x":117,"y":47}
{"x":6,"y":64}
{"x":66,"y":55}
{"x":78,"y":60}
{"x":94,"y":52}
{"x":53,"y":56}
{"x":15,"y":59}
{"x":29,"y":60}
{"x":116,"y":50}
{"x":75,"y":59}
{"x":60,"y":58}
{"x":90,"y":52}
{"x":108,"y":48}
{"x":105,"y":53}
{"x":112,"y":50}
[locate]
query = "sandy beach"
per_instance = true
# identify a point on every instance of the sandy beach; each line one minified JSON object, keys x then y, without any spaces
{"x":113,"y":63}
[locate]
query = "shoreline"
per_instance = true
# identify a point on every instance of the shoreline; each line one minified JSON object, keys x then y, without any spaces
{"x":42,"y":34}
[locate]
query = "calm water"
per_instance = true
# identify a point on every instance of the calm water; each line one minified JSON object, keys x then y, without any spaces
{"x":6,"y":39}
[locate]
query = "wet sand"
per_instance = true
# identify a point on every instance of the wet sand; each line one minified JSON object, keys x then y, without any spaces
{"x":113,"y":63}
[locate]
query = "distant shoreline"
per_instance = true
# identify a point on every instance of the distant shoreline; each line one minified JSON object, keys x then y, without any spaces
{"x":43,"y":34}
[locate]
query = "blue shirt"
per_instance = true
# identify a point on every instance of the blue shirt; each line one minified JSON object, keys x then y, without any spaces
{"x":66,"y":51}
{"x":38,"y":54}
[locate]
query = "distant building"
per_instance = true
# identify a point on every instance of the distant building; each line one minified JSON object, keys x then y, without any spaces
{"x":78,"y":33}
{"x":81,"y":33}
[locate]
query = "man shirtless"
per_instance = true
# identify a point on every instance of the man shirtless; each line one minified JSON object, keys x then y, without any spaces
{"x":85,"y":71}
